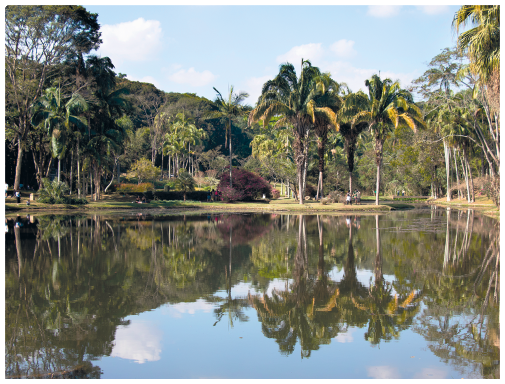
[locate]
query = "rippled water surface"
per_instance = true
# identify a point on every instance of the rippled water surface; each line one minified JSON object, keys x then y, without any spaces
{"x":409,"y":294}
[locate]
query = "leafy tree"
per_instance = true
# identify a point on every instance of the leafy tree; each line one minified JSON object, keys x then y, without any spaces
{"x":37,"y":39}
{"x":143,"y":170}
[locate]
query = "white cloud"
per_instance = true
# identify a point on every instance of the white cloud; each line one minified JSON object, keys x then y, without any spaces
{"x":433,"y":9}
{"x":383,"y":372}
{"x":145,"y":79}
{"x":253,"y":87}
{"x":311,"y":52}
{"x":192,"y":77}
{"x":343,"y":71}
{"x":383,"y":10}
{"x":343,"y":48}
{"x":138,"y":341}
{"x":136,"y":40}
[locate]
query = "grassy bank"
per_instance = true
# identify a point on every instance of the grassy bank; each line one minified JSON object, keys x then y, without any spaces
{"x":113,"y":203}
{"x":482,"y":204}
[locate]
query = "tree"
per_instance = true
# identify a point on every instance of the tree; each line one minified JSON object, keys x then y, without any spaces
{"x":388,"y":104}
{"x":229,"y":109}
{"x":483,"y":41}
{"x":185,"y":182}
{"x":294,"y":99}
{"x":353,"y":104}
{"x":37,"y":38}
{"x":57,"y":114}
{"x":143,"y":169}
{"x":328,"y":104}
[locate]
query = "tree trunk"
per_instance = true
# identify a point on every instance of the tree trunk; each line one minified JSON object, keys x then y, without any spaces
{"x":59,"y":169}
{"x":71,"y":170}
{"x":350,"y":181}
{"x":321,"y":143}
{"x":229,"y":122}
{"x":465,"y":171}
{"x":447,"y":169}
{"x":457,"y":174}
{"x":78,"y":172}
{"x":378,"y":184}
{"x":161,"y":165}
{"x":17,"y":179}
{"x":379,"y":144}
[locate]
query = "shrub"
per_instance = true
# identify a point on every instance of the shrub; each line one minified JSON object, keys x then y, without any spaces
{"x":55,"y":193}
{"x":185,"y":182}
{"x":246,"y":185}
{"x":334,"y":197}
{"x":275,"y":194}
{"x":138,"y":188}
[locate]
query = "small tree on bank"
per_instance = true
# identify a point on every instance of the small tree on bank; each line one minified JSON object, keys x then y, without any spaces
{"x":185,"y":182}
{"x":143,"y":170}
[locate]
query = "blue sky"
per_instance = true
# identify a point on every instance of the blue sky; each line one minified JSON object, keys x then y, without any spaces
{"x":194,"y":48}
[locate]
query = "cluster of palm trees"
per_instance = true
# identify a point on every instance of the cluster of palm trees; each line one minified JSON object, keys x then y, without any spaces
{"x":315,"y":103}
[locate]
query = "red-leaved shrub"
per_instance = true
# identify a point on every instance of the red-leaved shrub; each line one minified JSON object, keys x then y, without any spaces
{"x":275,"y":194}
{"x":246,"y":186}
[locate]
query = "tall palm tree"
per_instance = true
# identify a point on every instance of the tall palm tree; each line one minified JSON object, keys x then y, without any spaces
{"x":229,"y":109}
{"x":59,"y":114}
{"x":388,"y":104}
{"x":292,"y":98}
{"x":328,"y":104}
{"x":354,"y":103}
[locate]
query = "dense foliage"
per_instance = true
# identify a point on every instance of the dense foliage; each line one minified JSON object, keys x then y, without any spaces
{"x":246,"y":186}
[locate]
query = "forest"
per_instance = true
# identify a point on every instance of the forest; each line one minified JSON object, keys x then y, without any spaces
{"x":70,"y":117}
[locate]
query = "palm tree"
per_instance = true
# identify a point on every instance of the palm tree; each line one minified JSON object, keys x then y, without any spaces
{"x":294,"y":99}
{"x":328,"y":104}
{"x":354,"y":103}
{"x":388,"y":104}
{"x":483,"y":41}
{"x":230,"y":108}
{"x":57,"y":113}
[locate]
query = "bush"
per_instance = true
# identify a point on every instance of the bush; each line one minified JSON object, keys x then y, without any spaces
{"x":246,"y":186}
{"x":137,"y":188}
{"x":176,"y":195}
{"x":334,"y":197}
{"x":55,"y":193}
{"x":275,"y":194}
{"x":143,"y":169}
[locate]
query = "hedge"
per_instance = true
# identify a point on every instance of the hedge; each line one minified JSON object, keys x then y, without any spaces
{"x":172,"y":195}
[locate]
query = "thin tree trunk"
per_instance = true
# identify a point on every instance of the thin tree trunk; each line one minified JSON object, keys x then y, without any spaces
{"x":457,"y":174}
{"x":229,"y":122}
{"x":17,"y":179}
{"x":466,"y":176}
{"x":59,"y":169}
{"x":78,"y":172}
{"x":71,"y":170}
{"x":447,"y":169}
{"x":378,"y":183}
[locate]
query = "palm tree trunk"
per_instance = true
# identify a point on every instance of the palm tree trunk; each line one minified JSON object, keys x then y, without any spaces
{"x":447,"y":169}
{"x":229,"y":123}
{"x":161,"y":164}
{"x":350,"y":181}
{"x":457,"y":173}
{"x":469,"y":172}
{"x":378,"y":161}
{"x":71,"y":170}
{"x":59,"y":169}
{"x":78,"y":172}
{"x":466,"y":176}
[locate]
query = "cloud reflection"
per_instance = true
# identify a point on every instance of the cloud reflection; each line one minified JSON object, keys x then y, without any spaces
{"x":140,"y":342}
{"x":383,"y":372}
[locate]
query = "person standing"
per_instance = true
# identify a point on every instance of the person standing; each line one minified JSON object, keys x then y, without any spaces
{"x":18,"y":196}
{"x":358,"y":197}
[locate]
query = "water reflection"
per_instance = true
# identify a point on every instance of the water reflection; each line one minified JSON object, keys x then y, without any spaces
{"x":72,"y":281}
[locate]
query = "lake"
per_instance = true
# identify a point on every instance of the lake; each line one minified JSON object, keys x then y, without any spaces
{"x":407,"y":294}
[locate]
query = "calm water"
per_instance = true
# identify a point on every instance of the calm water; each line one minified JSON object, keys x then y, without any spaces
{"x":405,"y":295}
